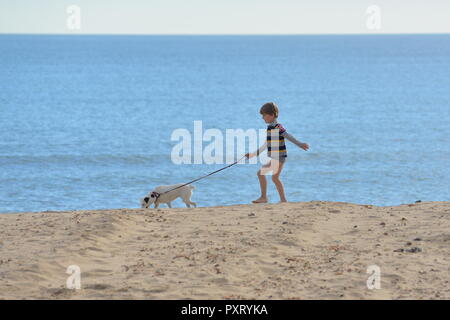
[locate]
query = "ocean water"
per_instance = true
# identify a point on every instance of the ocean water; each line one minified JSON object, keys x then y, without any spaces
{"x":86,"y":121}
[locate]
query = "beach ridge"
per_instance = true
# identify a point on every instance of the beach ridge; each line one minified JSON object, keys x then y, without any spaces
{"x":294,"y":250}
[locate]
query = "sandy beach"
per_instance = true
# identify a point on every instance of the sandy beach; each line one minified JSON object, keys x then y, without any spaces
{"x":297,"y":250}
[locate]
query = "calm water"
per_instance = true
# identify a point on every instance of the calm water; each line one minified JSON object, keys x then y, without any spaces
{"x":86,"y":121}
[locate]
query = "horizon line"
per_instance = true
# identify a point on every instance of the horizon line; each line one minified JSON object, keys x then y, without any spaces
{"x":222,"y":34}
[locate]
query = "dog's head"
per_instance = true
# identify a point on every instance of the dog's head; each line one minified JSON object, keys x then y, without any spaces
{"x":148,"y":200}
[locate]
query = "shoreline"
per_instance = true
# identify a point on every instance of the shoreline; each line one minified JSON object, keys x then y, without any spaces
{"x":164,"y":207}
{"x":294,"y":250}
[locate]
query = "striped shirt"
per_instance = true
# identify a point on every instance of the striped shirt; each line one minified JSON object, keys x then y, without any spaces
{"x":276,"y":148}
{"x":275,"y":142}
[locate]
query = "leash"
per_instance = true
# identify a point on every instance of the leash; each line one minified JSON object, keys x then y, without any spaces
{"x":157,"y":194}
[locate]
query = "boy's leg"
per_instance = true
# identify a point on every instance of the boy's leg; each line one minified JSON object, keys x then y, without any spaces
{"x":277,"y":181}
{"x":263,"y":182}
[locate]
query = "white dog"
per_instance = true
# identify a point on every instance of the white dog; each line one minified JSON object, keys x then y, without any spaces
{"x":185,"y":193}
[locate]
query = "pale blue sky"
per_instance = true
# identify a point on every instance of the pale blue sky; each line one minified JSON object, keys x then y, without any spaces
{"x":224,"y":16}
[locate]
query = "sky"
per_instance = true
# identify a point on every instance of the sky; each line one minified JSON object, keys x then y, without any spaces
{"x":224,"y":16}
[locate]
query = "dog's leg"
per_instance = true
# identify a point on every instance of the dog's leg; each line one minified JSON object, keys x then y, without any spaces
{"x":169,"y":205}
{"x":187,"y":204}
{"x":156,"y":205}
{"x":193,"y":203}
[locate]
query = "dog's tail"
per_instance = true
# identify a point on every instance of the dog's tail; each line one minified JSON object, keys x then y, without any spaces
{"x":191,"y":187}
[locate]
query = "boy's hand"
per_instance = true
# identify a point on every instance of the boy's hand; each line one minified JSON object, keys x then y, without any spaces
{"x":305,"y":146}
{"x":249,"y":155}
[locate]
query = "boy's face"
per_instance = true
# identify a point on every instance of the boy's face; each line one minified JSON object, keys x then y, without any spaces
{"x":268,"y":118}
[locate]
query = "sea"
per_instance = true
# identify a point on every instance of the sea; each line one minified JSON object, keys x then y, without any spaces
{"x":88,"y":121}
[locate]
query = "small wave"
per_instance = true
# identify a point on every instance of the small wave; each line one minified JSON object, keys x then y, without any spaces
{"x":65,"y":159}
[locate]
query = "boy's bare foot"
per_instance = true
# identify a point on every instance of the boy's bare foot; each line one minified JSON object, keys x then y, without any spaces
{"x":260,"y":200}
{"x":282,"y":201}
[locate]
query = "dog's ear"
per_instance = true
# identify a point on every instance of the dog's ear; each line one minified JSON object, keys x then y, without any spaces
{"x":146,"y":199}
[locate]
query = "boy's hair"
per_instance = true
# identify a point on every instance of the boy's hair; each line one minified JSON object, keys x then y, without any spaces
{"x":269,"y":108}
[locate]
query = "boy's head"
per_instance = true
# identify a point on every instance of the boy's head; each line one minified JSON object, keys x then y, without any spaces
{"x":269,"y":112}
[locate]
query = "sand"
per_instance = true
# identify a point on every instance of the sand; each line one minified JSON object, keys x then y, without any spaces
{"x":297,"y":250}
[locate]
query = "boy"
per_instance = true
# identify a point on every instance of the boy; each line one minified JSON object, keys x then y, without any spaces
{"x":276,"y":150}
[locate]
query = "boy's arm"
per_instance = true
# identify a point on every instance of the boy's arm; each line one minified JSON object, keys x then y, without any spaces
{"x":261,"y":149}
{"x":292,"y":139}
{"x":257,"y":152}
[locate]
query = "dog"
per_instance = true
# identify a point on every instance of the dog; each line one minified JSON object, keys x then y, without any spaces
{"x":185,"y":193}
